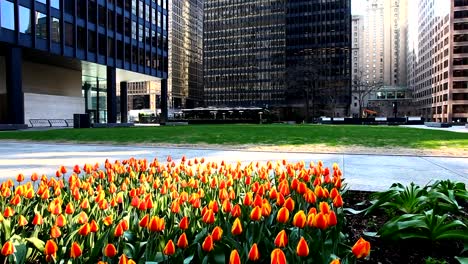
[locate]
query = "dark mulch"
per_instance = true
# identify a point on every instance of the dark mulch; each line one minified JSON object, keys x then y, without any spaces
{"x":387,"y":252}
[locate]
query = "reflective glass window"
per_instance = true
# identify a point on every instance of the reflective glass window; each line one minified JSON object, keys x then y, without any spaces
{"x":55,"y":29}
{"x":7,"y":15}
{"x":55,"y":4}
{"x":25,"y":20}
{"x":41,"y":25}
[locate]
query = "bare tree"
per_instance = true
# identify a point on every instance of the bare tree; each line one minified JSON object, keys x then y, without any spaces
{"x":362,"y":88}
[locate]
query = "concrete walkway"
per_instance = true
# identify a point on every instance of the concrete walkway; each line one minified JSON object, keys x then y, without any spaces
{"x":362,"y":172}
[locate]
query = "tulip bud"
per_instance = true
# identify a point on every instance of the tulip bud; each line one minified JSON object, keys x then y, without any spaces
{"x":281,"y":239}
{"x":361,"y":249}
{"x":110,"y":251}
{"x":169,"y":250}
{"x":302,"y":249}
{"x":182,"y":242}
{"x":234,"y":258}
{"x":75,"y":251}
{"x":208,"y":244}
{"x":278,"y":257}
{"x":254,"y":255}
{"x":236,"y":227}
{"x":8,"y":249}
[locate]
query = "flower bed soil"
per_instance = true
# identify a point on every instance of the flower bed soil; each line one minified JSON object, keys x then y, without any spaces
{"x":398,"y":252}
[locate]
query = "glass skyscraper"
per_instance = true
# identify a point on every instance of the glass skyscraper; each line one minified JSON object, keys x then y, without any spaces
{"x":278,"y":54}
{"x":76,"y":53}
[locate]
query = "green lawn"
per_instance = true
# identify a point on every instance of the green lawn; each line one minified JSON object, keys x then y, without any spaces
{"x":366,"y":136}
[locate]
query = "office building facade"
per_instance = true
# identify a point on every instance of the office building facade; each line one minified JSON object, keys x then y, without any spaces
{"x":185,"y":82}
{"x":440,"y":76}
{"x":60,"y":57}
{"x":278,"y":54}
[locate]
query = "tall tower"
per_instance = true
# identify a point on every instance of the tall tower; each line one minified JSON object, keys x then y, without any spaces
{"x":185,"y":82}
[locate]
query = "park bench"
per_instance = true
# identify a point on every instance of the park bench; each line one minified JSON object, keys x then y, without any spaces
{"x":51,"y":122}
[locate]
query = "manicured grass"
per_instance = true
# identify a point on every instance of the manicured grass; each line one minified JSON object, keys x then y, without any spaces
{"x":366,"y":136}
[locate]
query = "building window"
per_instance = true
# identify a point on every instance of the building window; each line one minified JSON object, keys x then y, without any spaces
{"x":69,"y":34}
{"x":134,"y":30}
{"x":7,"y":15}
{"x":41,"y":25}
{"x":25,"y":20}
{"x":55,"y":30}
{"x":81,"y":37}
{"x":55,"y":4}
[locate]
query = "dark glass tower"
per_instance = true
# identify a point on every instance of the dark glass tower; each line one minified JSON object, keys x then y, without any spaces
{"x":119,"y":36}
{"x":278,"y":53}
{"x":318,"y":56}
{"x":244,"y":44}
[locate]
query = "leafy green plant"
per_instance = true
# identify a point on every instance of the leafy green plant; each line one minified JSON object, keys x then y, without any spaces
{"x":427,"y":226}
{"x":409,"y":200}
{"x":431,"y":260}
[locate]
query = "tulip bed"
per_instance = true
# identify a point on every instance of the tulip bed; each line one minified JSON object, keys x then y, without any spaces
{"x":135,"y":211}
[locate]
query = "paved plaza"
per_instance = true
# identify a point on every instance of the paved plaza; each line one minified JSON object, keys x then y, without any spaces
{"x":362,"y":172}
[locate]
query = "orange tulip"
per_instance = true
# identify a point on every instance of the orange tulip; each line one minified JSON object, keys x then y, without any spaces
{"x":75,"y":251}
{"x":209,"y":217}
{"x":320,"y":221}
{"x":266,"y":208}
{"x":123,"y":259}
{"x":299,"y":219}
{"x":182,"y":242}
{"x":281,"y":239}
{"x":34,"y":177}
{"x":8,"y":212}
{"x":22,"y":221}
{"x":20,"y":177}
{"x":85,"y":229}
{"x":84,"y":204}
{"x":256,"y":214}
{"x":236,"y":227}
{"x":70,"y":209}
{"x":333,"y":193}
{"x":50,"y":248}
{"x":335,"y":261}
{"x":289,"y":203}
{"x":217,"y":233}
{"x":234,"y":258}
{"x":236,"y":211}
{"x":208,"y":244}
{"x":8,"y":249}
{"x":82,"y":218}
{"x":338,"y":201}
{"x":55,"y":232}
{"x":324,"y":207}
{"x":277,"y":257}
{"x":110,"y":251}
{"x":61,"y":220}
{"x":156,"y":224}
{"x":119,"y":231}
{"x":283,"y":215}
{"x":302,"y":249}
{"x":37,"y":220}
{"x":107,"y":220}
{"x":361,"y":249}
{"x":169,"y":250}
{"x":331,"y":219}
{"x":94,"y":226}
{"x":15,"y":200}
{"x":227,"y":206}
{"x":254,"y":255}
{"x":144,"y":221}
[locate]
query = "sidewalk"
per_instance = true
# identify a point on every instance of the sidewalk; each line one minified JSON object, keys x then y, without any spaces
{"x":362,"y":172}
